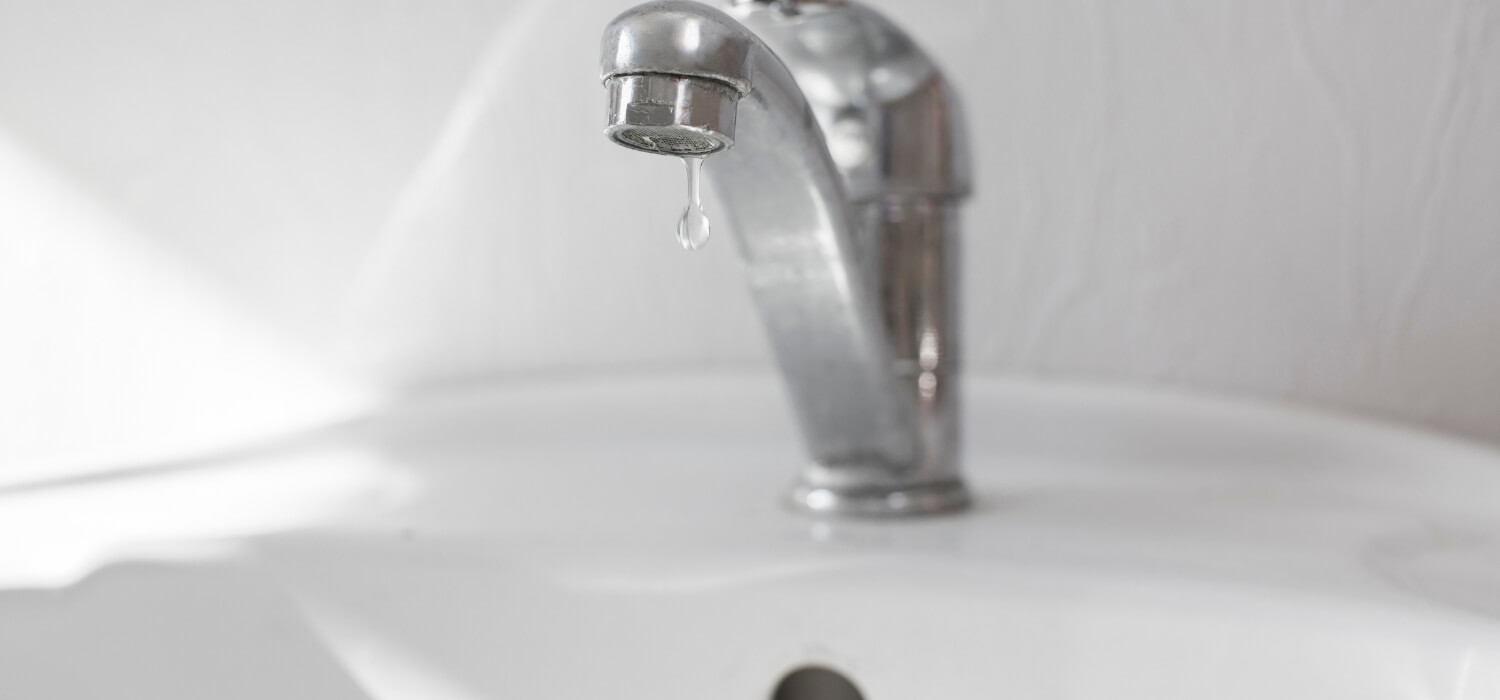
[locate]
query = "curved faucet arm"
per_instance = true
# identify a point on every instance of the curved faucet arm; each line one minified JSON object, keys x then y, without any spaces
{"x":689,"y":80}
{"x":893,"y":125}
{"x":787,"y":205}
{"x":674,"y":37}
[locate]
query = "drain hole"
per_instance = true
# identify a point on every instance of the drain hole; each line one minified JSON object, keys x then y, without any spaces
{"x":815,"y":683}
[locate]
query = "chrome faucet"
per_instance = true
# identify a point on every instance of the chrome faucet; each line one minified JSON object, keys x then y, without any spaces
{"x":838,"y":153}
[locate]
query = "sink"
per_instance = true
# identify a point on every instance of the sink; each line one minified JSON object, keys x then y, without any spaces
{"x":624,"y":538}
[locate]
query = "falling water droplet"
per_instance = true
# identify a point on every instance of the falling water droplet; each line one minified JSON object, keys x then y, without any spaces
{"x":692,"y":228}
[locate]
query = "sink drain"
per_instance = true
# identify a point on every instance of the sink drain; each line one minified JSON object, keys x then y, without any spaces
{"x":816,"y":683}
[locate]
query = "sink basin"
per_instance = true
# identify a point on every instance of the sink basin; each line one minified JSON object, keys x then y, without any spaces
{"x":624,"y":538}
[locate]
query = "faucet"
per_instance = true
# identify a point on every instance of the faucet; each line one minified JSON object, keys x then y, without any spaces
{"x":839,"y":155}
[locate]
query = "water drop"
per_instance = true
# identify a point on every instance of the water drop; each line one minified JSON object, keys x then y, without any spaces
{"x":692,"y":228}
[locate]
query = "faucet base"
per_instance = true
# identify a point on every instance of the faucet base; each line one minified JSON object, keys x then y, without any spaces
{"x":926,"y":499}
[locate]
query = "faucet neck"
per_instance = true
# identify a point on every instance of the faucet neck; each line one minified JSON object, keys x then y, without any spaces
{"x":846,"y":239}
{"x":892,"y":124}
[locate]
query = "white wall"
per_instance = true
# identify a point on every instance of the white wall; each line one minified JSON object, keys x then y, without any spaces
{"x":1289,"y":199}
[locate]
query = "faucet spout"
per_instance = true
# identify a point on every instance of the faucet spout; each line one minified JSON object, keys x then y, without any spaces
{"x":847,"y":266}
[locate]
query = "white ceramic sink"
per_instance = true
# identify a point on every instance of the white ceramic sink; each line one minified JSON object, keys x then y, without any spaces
{"x":624,"y":539}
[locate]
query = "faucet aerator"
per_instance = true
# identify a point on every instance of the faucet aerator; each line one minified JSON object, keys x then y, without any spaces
{"x":672,"y":115}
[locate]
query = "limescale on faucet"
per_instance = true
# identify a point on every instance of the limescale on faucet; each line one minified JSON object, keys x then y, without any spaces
{"x":692,"y":228}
